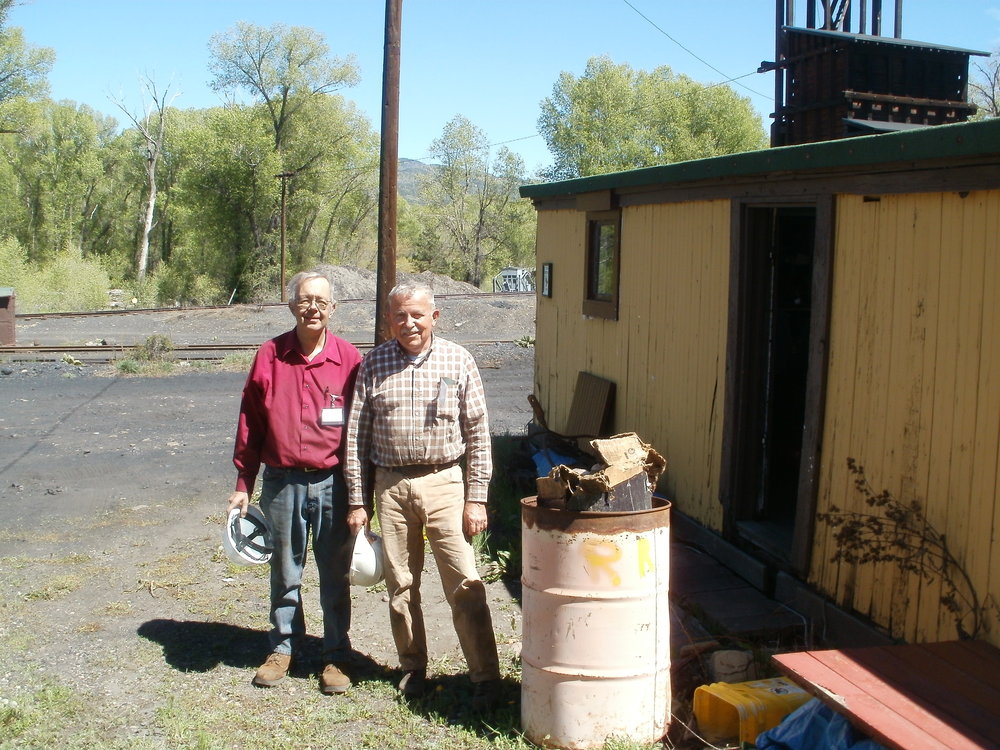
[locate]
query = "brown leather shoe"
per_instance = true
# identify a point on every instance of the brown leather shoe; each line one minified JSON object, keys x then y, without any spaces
{"x":333,"y":681}
{"x":414,"y":683}
{"x":486,"y":695}
{"x":273,"y":670}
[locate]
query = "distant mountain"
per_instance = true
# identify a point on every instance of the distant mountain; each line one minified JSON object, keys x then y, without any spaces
{"x":408,"y":178}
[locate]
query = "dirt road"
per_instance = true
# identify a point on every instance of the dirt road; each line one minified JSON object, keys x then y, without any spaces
{"x":112,"y":582}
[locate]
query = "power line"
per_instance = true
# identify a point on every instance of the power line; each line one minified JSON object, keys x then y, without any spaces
{"x":728,"y":79}
{"x":702,"y":60}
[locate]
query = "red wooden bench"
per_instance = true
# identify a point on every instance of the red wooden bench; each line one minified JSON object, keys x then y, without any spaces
{"x":927,"y":696}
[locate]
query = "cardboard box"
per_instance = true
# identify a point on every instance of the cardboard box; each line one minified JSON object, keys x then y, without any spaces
{"x":623,"y":480}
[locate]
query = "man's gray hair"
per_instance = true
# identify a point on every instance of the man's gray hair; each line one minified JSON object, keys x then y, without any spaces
{"x":406,"y":289}
{"x":292,"y":287}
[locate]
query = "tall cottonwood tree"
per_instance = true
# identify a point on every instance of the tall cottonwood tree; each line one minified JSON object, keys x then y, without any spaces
{"x":225,"y":199}
{"x":614,"y":118}
{"x":282,"y":67}
{"x":472,"y":210}
{"x":152,"y":126}
{"x":290,"y":75}
{"x":23,"y":70}
{"x":333,"y":204}
{"x":59,"y":159}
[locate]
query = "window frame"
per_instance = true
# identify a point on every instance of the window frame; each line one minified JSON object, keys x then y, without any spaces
{"x":598,"y":305}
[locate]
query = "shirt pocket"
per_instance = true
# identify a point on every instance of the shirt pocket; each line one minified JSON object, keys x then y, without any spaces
{"x":446,"y":404}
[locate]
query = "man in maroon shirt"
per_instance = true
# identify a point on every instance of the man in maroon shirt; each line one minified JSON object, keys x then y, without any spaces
{"x":291,"y":420}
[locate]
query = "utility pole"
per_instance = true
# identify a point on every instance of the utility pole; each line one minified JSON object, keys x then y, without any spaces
{"x":388,"y":171}
{"x":284,"y":177}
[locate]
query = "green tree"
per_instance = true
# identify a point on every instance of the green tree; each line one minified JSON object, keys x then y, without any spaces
{"x":614,"y":118}
{"x":58,"y":159}
{"x":326,"y":146}
{"x":476,"y":221}
{"x":281,"y":67}
{"x":333,"y":197}
{"x":225,"y":201}
{"x":23,"y":70}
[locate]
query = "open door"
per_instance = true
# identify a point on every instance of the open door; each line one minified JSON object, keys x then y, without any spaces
{"x":776,"y":362}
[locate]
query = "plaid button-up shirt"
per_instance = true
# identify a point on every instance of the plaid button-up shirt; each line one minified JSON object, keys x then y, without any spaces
{"x":429,"y":412}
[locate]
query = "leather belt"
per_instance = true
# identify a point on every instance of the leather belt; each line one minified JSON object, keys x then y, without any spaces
{"x":412,"y":471}
{"x":306,"y":469}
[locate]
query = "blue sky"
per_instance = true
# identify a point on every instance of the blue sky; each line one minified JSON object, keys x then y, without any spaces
{"x":491,"y":61}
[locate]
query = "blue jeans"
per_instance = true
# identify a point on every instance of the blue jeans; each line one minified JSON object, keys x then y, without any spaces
{"x":297,"y":504}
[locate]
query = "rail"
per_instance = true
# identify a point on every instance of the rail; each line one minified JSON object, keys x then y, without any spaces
{"x":258,"y":305}
{"x":105,"y":354}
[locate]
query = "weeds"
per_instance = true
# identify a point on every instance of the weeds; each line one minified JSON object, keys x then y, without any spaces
{"x":154,"y":357}
{"x":128,"y":367}
{"x":56,"y":588}
{"x":156,"y":348}
{"x":69,"y":359}
{"x":500,"y":547}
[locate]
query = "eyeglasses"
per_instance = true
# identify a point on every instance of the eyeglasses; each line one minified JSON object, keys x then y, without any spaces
{"x":306,"y":302}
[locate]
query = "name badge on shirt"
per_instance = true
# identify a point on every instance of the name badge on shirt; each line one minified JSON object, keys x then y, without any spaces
{"x":332,"y":416}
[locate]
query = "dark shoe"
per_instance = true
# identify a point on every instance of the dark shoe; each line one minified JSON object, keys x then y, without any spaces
{"x":333,"y":680}
{"x":273,"y":670}
{"x":414,"y":683}
{"x":485,"y":695}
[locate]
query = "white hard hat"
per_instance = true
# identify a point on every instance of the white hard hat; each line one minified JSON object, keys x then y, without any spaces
{"x":366,"y":563}
{"x":247,"y":540}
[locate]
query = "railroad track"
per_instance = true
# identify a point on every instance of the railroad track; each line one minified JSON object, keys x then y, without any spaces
{"x":99,"y":354}
{"x":96,"y":353}
{"x":261,"y":305}
{"x":106,"y":354}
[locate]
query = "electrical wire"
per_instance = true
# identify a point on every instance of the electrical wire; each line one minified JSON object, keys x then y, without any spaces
{"x":702,"y":60}
{"x":728,"y":80}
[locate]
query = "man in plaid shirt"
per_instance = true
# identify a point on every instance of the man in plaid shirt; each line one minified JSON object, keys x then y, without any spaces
{"x":418,"y":410}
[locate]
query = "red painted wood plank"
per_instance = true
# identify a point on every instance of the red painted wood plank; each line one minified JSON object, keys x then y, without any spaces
{"x":979,"y":660}
{"x":872,"y":706}
{"x":908,"y":691}
{"x":938,"y":680}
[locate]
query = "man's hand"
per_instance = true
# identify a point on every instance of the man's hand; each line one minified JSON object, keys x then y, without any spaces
{"x":474,"y":519}
{"x":240,"y":500}
{"x":357,"y":517}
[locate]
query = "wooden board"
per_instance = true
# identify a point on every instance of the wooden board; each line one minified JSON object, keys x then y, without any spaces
{"x":931,"y":696}
{"x":590,"y":414}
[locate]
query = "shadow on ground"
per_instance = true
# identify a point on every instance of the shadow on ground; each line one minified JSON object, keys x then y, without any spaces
{"x":192,"y":646}
{"x":449,"y":699}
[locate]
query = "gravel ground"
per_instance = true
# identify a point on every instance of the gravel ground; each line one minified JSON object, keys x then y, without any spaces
{"x":112,"y":488}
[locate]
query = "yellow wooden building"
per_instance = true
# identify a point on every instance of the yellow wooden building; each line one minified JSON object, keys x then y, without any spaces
{"x":767,"y":317}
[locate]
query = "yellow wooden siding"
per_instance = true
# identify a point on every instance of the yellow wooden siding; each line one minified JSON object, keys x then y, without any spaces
{"x":666,"y":351}
{"x":911,"y":392}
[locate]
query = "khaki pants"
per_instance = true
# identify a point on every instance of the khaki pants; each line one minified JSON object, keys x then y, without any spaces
{"x":435,"y":503}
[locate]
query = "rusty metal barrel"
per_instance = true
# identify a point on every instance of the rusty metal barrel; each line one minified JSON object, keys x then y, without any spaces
{"x":595,"y":652}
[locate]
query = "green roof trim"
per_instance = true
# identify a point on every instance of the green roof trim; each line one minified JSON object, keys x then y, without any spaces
{"x":961,"y":140}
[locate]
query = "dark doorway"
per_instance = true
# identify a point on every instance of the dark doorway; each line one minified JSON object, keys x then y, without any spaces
{"x":773,"y":314}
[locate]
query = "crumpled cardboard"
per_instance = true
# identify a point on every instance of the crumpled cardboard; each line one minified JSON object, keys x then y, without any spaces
{"x":623,"y":479}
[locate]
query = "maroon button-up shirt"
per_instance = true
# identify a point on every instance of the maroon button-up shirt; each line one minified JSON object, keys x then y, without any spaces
{"x":283,"y":399}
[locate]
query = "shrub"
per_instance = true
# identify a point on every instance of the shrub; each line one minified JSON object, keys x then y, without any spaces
{"x":179,"y":284}
{"x":156,"y":348}
{"x":69,"y":282}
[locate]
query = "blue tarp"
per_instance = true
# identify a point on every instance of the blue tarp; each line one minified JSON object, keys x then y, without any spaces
{"x":813,"y":726}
